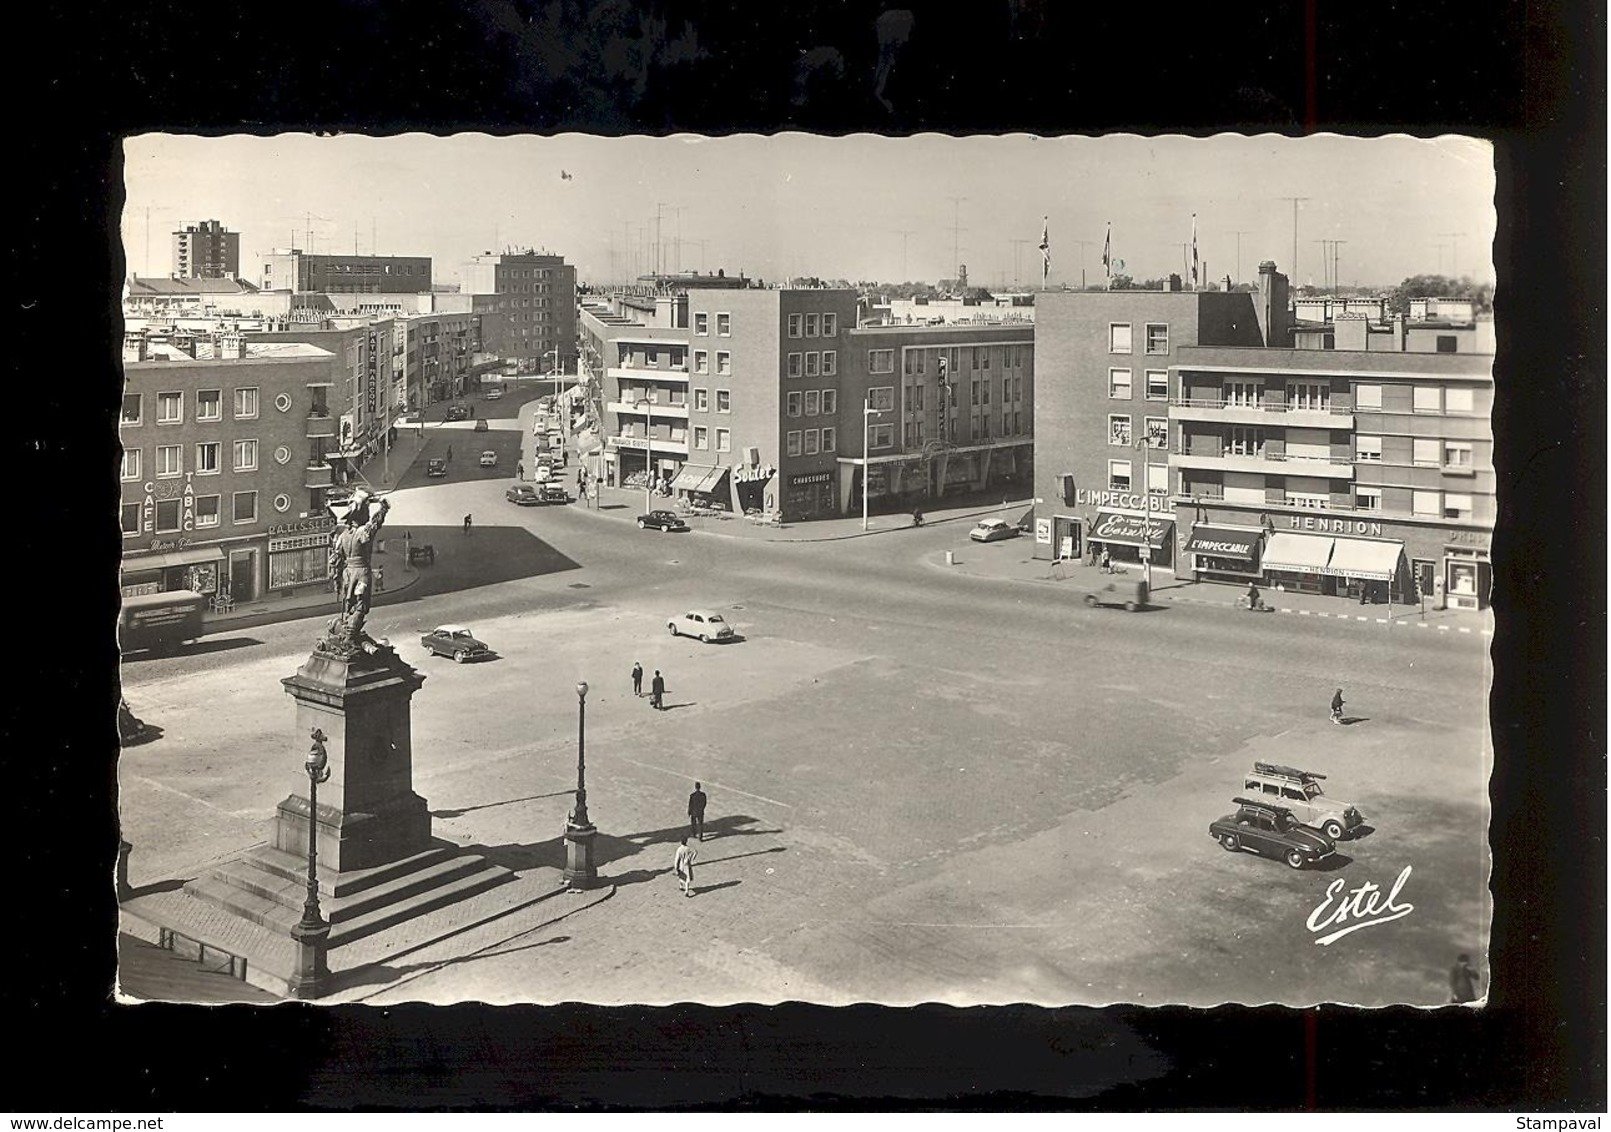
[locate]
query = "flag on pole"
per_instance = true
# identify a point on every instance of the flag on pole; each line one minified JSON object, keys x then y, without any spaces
{"x":1107,"y":256}
{"x":1194,"y":251}
{"x":1045,"y":251}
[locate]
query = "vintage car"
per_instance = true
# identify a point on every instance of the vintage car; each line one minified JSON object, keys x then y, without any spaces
{"x":455,"y":641}
{"x":992,"y":530}
{"x":493,"y":394}
{"x":436,"y":467}
{"x":522,"y":493}
{"x":1300,"y":792}
{"x":481,"y":425}
{"x":552,"y":493}
{"x":1131,"y":595}
{"x":1270,"y":831}
{"x":489,"y":459}
{"x":458,"y":413}
{"x":701,"y":623}
{"x":664,"y":521}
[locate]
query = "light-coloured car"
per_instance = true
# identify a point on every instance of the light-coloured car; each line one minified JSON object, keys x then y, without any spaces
{"x":992,"y":530}
{"x":489,"y":459}
{"x":493,"y":394}
{"x":454,"y":640}
{"x":1300,"y":792}
{"x":701,"y":623}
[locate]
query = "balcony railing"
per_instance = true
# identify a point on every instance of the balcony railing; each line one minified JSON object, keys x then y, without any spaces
{"x":318,"y":475}
{"x":1334,"y":408}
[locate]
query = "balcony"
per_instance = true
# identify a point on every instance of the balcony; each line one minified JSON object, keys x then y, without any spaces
{"x":630,"y":409}
{"x":638,"y":444}
{"x":1267,"y":463}
{"x":318,"y":475}
{"x":1267,"y":414}
{"x":649,"y":373}
{"x":319,"y":425}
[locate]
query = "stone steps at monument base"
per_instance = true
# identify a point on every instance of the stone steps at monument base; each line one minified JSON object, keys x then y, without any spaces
{"x":487,"y":876}
{"x":294,"y":867}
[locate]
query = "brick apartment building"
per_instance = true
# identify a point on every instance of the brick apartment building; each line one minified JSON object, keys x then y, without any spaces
{"x":533,"y":314}
{"x":206,"y":251}
{"x":291,"y":269}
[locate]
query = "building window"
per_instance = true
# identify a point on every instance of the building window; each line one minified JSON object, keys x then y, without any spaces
{"x":1426,"y":502}
{"x":794,"y":326}
{"x":830,"y":402}
{"x":1157,"y":385}
{"x":1119,"y":429}
{"x":1368,"y":498}
{"x":1245,"y":441}
{"x":794,"y":365}
{"x":881,"y":398}
{"x":724,"y":362}
{"x":1157,"y":337}
{"x":791,"y":443}
{"x":209,"y":404}
{"x":724,"y":325}
{"x":1119,"y":384}
{"x":245,"y":507}
{"x":830,"y":363}
{"x":813,"y":402}
{"x":881,"y":436}
{"x":701,"y":399}
{"x":131,"y":408}
{"x":1367,"y":396}
{"x":1118,"y":475}
{"x":1428,"y":399}
{"x":701,"y":323}
{"x":207,"y":510}
{"x":1118,"y":337}
{"x":167,"y":515}
{"x":829,"y":440}
{"x":724,"y":401}
{"x":1458,"y":401}
{"x":131,"y":464}
{"x":1457,"y":455}
{"x":724,"y":440}
{"x":701,"y":437}
{"x":1308,"y":395}
{"x":170,"y":461}
{"x":701,"y":361}
{"x":1448,"y":344}
{"x":880,"y":361}
{"x":1314,"y":501}
{"x":813,"y":442}
{"x":1158,"y":433}
{"x":1456,"y":506}
{"x":131,"y":519}
{"x":1368,"y":449}
{"x":207,"y":459}
{"x":1426,"y":454}
{"x":830,"y":325}
{"x":811,"y":324}
{"x":792,"y":403}
{"x":170,"y":408}
{"x":246,"y":455}
{"x":811,"y":363}
{"x":1158,"y":479}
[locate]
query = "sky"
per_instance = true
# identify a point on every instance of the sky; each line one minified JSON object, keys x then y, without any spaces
{"x":858,"y":208}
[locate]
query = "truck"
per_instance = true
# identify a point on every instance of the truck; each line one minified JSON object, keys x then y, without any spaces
{"x":161,"y":621}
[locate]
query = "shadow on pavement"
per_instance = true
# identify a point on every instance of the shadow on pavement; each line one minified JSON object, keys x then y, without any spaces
{"x":202,"y":647}
{"x":737,"y":856}
{"x":460,"y":812}
{"x":701,"y":889}
{"x":1334,"y":863}
{"x":490,"y":555}
{"x":1349,"y":721}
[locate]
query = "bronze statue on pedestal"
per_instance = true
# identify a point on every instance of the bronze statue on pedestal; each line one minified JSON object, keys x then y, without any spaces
{"x":351,"y":546}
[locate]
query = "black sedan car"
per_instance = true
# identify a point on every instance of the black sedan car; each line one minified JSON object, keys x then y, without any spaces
{"x":1270,"y":831}
{"x":454,"y":640}
{"x":524,"y":494}
{"x":458,"y":413}
{"x":661,"y":521}
{"x":436,"y":468}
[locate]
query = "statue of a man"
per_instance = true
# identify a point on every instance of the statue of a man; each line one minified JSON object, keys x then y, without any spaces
{"x":351,"y":546}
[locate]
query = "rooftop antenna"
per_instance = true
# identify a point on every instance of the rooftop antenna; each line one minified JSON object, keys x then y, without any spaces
{"x":903,"y":233}
{"x":1295,"y":202}
{"x":1239,"y":236}
{"x":1454,"y":251}
{"x":956,"y":231}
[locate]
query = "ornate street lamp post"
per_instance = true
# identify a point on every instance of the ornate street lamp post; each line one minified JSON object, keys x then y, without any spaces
{"x":312,"y":932}
{"x":581,"y":870}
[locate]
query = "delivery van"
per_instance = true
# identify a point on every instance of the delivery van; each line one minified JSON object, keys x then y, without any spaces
{"x":160,"y":622}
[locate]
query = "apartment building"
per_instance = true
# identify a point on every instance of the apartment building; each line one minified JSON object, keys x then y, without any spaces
{"x":291,"y":269}
{"x":206,"y":251}
{"x":536,"y":320}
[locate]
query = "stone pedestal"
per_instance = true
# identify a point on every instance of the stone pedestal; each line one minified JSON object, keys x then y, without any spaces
{"x":368,"y":812}
{"x":311,"y":978}
{"x":581,"y":866}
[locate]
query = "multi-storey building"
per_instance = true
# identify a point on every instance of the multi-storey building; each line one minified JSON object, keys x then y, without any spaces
{"x":206,"y":251}
{"x":753,"y":398}
{"x":291,"y":269}
{"x":225,"y":464}
{"x":1183,"y":427}
{"x":172,"y":296}
{"x":535,"y":321}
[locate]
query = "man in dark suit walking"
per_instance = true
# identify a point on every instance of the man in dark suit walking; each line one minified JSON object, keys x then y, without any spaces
{"x":657,"y":690}
{"x":637,"y":679}
{"x":696,"y":813}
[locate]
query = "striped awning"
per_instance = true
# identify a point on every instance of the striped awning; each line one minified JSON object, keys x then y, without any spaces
{"x":1298,"y":554}
{"x":1366,"y":558}
{"x":164,"y":559}
{"x":698,"y":478}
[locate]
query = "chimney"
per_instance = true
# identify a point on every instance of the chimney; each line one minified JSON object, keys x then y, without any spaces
{"x":134,"y":347}
{"x":232,"y":346}
{"x":185,"y":341}
{"x":1350,"y":332}
{"x":1275,"y":318}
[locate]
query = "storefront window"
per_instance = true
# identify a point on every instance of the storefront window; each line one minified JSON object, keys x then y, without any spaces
{"x":298,"y":567}
{"x":1463,"y":579}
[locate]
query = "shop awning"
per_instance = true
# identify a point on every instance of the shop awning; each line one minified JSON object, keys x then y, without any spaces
{"x":163,"y":559}
{"x":1130,"y":530}
{"x":1224,"y":542}
{"x":1365,"y":558}
{"x":698,"y":478}
{"x":1301,"y":554}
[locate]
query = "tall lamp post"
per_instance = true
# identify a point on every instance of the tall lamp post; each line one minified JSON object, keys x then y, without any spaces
{"x":581,"y":869}
{"x":312,"y":933}
{"x":647,"y":405}
{"x":867,"y":415}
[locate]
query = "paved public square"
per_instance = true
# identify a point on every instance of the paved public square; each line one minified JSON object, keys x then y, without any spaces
{"x":924,"y":785}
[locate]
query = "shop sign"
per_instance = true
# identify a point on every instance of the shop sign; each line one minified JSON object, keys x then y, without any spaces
{"x":1133,"y":528}
{"x":183,"y":490}
{"x":1477,"y":539}
{"x":370,"y":399}
{"x":810,"y":478}
{"x":323,"y":522}
{"x":1334,"y":526}
{"x":1043,"y":530}
{"x":159,"y":544}
{"x":1131,"y":500}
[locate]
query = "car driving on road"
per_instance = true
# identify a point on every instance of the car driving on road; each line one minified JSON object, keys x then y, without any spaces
{"x":523,"y":494}
{"x":493,"y":394}
{"x":454,"y":640}
{"x":1131,"y":595}
{"x":992,"y":530}
{"x":458,"y":413}
{"x":661,"y":521}
{"x":436,"y":467}
{"x":489,"y":459}
{"x":701,"y":623}
{"x":1270,"y":831}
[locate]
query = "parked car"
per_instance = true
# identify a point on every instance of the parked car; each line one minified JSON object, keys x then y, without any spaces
{"x":455,"y":641}
{"x":458,"y":413}
{"x":1270,"y":831}
{"x":1300,"y":792}
{"x":552,"y":493}
{"x":992,"y":530}
{"x":701,"y":623}
{"x":481,"y":425}
{"x":543,"y":473}
{"x":545,"y":403}
{"x":523,"y":494}
{"x":1131,"y":595}
{"x":436,"y":467}
{"x":493,"y":394}
{"x":489,"y":459}
{"x":661,"y":521}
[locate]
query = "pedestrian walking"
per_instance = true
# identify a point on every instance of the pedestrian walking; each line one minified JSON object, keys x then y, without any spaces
{"x":1107,"y":561}
{"x":637,"y":679}
{"x":581,"y":480}
{"x":684,"y":866}
{"x":696,"y":813}
{"x":1337,"y":706}
{"x":467,"y":524}
{"x":1462,"y":981}
{"x":520,"y":471}
{"x":657,"y":692}
{"x":450,"y":453}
